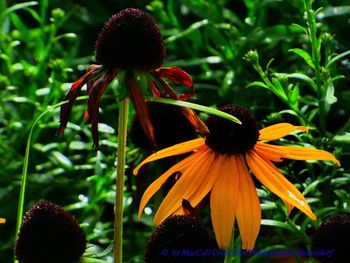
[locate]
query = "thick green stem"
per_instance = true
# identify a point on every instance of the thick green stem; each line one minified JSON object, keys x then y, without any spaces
{"x":119,"y":198}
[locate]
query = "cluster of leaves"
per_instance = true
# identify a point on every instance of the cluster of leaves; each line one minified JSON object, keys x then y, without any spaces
{"x":285,"y":66}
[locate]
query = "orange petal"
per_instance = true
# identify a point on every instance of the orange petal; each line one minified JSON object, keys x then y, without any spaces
{"x":2,"y":220}
{"x":187,"y":185}
{"x":195,"y":121}
{"x":268,"y":152}
{"x":272,"y":178}
{"x":248,"y":207}
{"x":279,"y":130}
{"x":302,"y":153}
{"x":223,"y":200}
{"x":154,"y":187}
{"x":173,"y":150}
{"x":209,"y":177}
{"x":289,"y":206}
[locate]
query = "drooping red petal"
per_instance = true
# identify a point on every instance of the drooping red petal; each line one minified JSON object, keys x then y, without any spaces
{"x":139,"y":101}
{"x":73,"y":93}
{"x":195,"y":121}
{"x":178,"y":76}
{"x":98,"y":88}
{"x":154,"y":89}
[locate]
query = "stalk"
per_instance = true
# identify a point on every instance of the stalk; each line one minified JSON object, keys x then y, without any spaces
{"x":119,"y":198}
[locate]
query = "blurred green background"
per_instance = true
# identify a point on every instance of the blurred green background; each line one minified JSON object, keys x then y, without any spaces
{"x":47,"y":45}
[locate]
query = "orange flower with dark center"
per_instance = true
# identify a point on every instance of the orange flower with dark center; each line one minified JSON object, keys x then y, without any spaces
{"x":220,"y":165}
{"x":130,"y":45}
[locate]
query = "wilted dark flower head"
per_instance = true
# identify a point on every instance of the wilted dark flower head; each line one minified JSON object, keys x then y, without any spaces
{"x":227,"y":137}
{"x":49,"y":235}
{"x":177,"y":239}
{"x":130,"y":40}
{"x":333,"y":236}
{"x":130,"y":45}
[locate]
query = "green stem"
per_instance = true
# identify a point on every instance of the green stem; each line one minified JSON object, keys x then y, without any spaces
{"x":315,"y":50}
{"x":119,"y":198}
{"x":26,"y":162}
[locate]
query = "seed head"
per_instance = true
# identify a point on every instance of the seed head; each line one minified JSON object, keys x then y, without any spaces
{"x":130,"y":39}
{"x":183,"y":234}
{"x":227,"y":137}
{"x":333,"y":237}
{"x":49,"y":235}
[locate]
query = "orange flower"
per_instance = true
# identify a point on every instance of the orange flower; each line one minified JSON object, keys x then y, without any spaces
{"x":129,"y":45}
{"x":220,"y":165}
{"x":2,"y":220}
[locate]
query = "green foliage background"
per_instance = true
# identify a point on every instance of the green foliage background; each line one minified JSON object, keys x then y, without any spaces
{"x":301,"y":77}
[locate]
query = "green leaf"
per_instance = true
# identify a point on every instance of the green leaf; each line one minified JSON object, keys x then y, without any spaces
{"x":303,"y":54}
{"x":194,"y":106}
{"x":259,"y":84}
{"x":275,"y":223}
{"x":305,"y":78}
{"x":17,"y":7}
{"x":331,"y":11}
{"x":278,"y":89}
{"x":330,"y":98}
{"x":337,"y":58}
{"x":344,"y":138}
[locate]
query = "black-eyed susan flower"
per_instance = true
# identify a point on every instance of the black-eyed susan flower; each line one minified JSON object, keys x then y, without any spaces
{"x":49,"y":234}
{"x":331,"y":241}
{"x":2,"y":220}
{"x":129,"y":45}
{"x":220,"y":165}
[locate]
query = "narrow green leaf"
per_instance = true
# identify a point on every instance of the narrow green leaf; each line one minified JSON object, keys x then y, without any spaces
{"x":341,"y":55}
{"x":304,"y":55}
{"x":17,"y":7}
{"x":275,"y":223}
{"x":190,"y":29}
{"x":194,"y":106}
{"x":258,"y":83}
{"x":305,"y":78}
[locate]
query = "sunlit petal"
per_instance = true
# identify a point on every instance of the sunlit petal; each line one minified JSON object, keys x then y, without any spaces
{"x":209,"y":177}
{"x":173,"y":150}
{"x":289,"y":206}
{"x":2,"y":220}
{"x":273,"y":179}
{"x":269,"y":152}
{"x":248,"y":208}
{"x":302,"y":153}
{"x":179,"y":167}
{"x":279,"y":130}
{"x":223,"y":200}
{"x":187,"y":185}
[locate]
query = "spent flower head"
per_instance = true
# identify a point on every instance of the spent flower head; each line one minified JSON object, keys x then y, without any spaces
{"x":49,"y":234}
{"x":219,"y":165}
{"x":180,"y":238}
{"x":130,"y":45}
{"x":333,"y":236}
